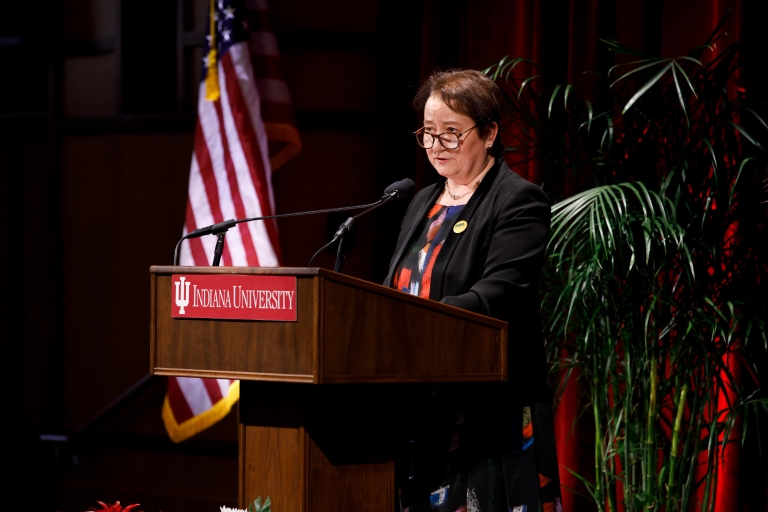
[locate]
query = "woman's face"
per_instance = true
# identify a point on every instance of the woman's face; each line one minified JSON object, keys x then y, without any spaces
{"x":467,"y":161}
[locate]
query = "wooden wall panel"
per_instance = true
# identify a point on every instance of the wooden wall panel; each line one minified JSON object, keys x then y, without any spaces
{"x":123,"y":204}
{"x":332,"y":80}
{"x":88,"y":86}
{"x":89,"y":19}
{"x":35,"y":302}
{"x":334,"y":168}
{"x":338,"y":16}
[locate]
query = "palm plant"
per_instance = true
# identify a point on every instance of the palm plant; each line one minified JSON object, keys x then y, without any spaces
{"x":654,"y":287}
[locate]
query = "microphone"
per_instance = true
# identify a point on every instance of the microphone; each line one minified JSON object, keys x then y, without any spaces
{"x":214,"y":229}
{"x":402,"y":189}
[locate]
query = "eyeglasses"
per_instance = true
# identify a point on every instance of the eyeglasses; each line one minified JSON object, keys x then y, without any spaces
{"x":449,"y":140}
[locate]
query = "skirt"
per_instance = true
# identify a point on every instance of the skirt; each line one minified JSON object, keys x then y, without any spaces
{"x":474,"y":448}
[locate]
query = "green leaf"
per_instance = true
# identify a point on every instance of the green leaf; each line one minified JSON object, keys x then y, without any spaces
{"x":680,"y":96}
{"x":711,"y":152}
{"x":645,"y":87}
{"x":633,"y":63}
{"x":525,"y":82}
{"x":654,"y":62}
{"x":505,"y":67}
{"x":617,"y":47}
{"x":706,"y":209}
{"x":685,"y":75}
{"x":756,"y":116}
{"x":497,"y":67}
{"x":565,"y":99}
{"x":666,"y":182}
{"x":745,"y":134}
{"x":610,"y":131}
{"x":552,"y":100}
{"x":716,"y":33}
{"x":690,"y":260}
{"x":717,"y":309}
{"x":609,"y":240}
{"x":686,"y":57}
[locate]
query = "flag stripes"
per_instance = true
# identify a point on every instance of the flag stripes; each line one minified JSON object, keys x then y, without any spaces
{"x":234,"y":152}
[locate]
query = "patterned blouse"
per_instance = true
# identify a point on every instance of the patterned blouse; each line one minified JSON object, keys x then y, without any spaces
{"x":414,"y":275}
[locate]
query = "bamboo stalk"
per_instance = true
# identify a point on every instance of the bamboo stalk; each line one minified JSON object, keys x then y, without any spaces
{"x":671,"y":482}
{"x":629,"y":470}
{"x":648,"y":445}
{"x":613,"y":428}
{"x":650,"y":467}
{"x":611,"y":484}
{"x":690,"y":452}
{"x":598,"y":451}
{"x":708,"y":502}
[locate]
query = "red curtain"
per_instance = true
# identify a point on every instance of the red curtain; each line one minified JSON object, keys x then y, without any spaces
{"x":562,"y":38}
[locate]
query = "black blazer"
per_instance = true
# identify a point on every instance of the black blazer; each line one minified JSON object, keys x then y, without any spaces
{"x":493,"y":266}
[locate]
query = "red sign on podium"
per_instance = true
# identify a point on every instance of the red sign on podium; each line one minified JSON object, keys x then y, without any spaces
{"x":234,"y":297}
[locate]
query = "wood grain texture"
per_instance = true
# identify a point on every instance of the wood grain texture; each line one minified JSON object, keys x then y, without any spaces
{"x":266,"y":271}
{"x":272,"y":445}
{"x":212,"y":374}
{"x":351,"y":459}
{"x":317,"y":327}
{"x":152,"y":321}
{"x":324,"y":448}
{"x":409,"y":299}
{"x":234,"y":349}
{"x":376,"y":337}
{"x":348,"y":331}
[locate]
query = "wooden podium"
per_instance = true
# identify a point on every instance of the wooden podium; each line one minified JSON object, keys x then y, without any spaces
{"x":317,"y":398}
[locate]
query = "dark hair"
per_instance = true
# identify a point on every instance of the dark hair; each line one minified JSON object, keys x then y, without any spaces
{"x":467,"y":92}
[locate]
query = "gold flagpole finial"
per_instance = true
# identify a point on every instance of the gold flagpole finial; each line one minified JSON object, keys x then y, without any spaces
{"x":212,"y":77}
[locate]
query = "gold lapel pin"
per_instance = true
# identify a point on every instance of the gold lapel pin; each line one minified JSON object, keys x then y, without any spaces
{"x":460,"y":226}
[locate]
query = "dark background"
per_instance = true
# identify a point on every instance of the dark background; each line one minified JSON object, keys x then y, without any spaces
{"x":97,"y":110}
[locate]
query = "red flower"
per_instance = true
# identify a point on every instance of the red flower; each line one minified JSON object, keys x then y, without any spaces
{"x":114,"y":508}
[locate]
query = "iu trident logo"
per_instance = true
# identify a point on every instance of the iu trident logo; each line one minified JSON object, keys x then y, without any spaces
{"x":182,"y":294}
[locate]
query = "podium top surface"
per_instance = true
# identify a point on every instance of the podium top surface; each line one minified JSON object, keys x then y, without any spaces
{"x":281,"y":271}
{"x":332,"y":276}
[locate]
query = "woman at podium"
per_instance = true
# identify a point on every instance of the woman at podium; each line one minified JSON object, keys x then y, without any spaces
{"x":476,"y":240}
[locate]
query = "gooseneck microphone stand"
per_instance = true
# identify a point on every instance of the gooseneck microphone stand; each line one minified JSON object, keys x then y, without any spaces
{"x":218,"y":249}
{"x":398,"y":190}
{"x":346,"y":228}
{"x":221,"y":228}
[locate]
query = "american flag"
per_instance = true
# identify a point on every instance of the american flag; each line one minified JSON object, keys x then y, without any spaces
{"x":244,"y":130}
